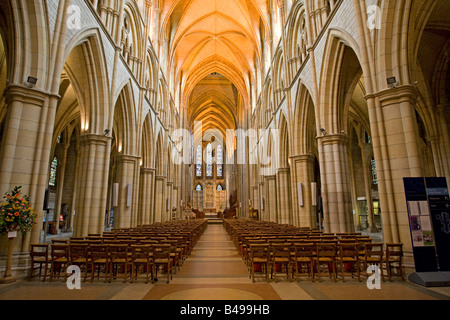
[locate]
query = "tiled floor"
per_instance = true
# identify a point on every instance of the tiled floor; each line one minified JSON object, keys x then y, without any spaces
{"x":215,"y":271}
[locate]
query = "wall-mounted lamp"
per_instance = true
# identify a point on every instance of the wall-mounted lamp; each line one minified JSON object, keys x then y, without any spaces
{"x":392,"y":82}
{"x":31,"y":82}
{"x":323,"y":131}
{"x":106,"y":132}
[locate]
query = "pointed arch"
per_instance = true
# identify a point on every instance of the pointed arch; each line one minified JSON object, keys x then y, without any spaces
{"x":94,"y":94}
{"x":124,"y":122}
{"x":148,"y":143}
{"x":304,"y":127}
{"x":339,"y":49}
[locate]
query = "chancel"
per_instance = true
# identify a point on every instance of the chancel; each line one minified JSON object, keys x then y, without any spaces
{"x":229,"y":150}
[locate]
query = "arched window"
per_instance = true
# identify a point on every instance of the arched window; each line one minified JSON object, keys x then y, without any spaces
{"x":219,"y":187}
{"x":219,"y":159}
{"x":209,"y":161}
{"x":199,"y":187}
{"x":374,"y":171}
{"x":198,"y":161}
{"x":53,"y":167}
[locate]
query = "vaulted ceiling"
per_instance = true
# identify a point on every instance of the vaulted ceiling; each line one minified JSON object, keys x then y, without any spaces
{"x":214,"y":36}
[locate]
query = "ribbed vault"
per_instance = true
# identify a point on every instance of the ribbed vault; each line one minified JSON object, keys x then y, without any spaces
{"x":214,"y":37}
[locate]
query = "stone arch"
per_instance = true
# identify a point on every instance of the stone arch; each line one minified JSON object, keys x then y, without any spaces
{"x":297,"y":37}
{"x":92,"y":68}
{"x":304,"y":132}
{"x":148,"y":143}
{"x":124,"y":123}
{"x":285,"y":141}
{"x":333,"y":96}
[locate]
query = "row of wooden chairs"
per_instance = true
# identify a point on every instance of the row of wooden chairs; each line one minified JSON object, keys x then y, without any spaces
{"x":331,"y":250}
{"x":96,"y":253}
{"x":103,"y":259}
{"x":313,"y":260}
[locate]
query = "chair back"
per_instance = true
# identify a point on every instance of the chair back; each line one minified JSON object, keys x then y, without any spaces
{"x":303,"y":249}
{"x":326,"y":249}
{"x":141,"y":251}
{"x":373,"y":250}
{"x":60,"y":251}
{"x":394,"y":250}
{"x":118,"y":251}
{"x":280,"y":250}
{"x":348,"y":249}
{"x":39,"y":250}
{"x":78,"y":250}
{"x":161,"y":251}
{"x":98,"y":251}
{"x":259,"y":250}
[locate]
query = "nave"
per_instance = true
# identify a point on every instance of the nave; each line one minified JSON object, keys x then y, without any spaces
{"x":215,"y":270}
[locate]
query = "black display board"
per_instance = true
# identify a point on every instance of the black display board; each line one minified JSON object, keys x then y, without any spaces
{"x":429,"y":220}
{"x":439,"y":201}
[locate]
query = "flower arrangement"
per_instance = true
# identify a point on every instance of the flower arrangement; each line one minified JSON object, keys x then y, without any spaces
{"x":16,"y":212}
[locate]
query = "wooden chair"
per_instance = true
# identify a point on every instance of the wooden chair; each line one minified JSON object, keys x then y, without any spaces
{"x":325,"y":255}
{"x":259,"y":259}
{"x":59,"y":241}
{"x":99,"y":258}
{"x":280,"y":255}
{"x":78,"y":255}
{"x":393,"y":260}
{"x":162,"y":259}
{"x":303,"y":257}
{"x":39,"y":255}
{"x":59,"y":258}
{"x":373,"y":255}
{"x":348,"y":259}
{"x":141,"y":256}
{"x":118,"y":257}
{"x":175,"y":253}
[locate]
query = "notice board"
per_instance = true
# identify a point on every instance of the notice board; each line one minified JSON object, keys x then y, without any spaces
{"x":428,"y":205}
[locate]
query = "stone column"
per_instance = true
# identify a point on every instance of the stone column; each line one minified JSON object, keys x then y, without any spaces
{"x":443,"y":143}
{"x":146,"y":196}
{"x":125,"y":215}
{"x":302,"y":167}
{"x":160,"y":198}
{"x":169,"y":201}
{"x":92,"y":184}
{"x":397,"y":155}
{"x":262,"y":202}
{"x":270,"y":205}
{"x":365,"y":150}
{"x":284,"y":203}
{"x":336,"y":190}
{"x":25,"y":149}
{"x":60,"y":186}
{"x":176,"y":202}
{"x":255,"y":201}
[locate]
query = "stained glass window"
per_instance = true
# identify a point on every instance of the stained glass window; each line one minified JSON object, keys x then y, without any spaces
{"x":198,"y":161}
{"x":199,"y":187}
{"x":219,"y":159}
{"x":374,"y":171}
{"x":209,"y":161}
{"x":53,"y":167}
{"x":219,"y":187}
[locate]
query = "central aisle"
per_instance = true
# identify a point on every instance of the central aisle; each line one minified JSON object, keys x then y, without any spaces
{"x":213,"y":271}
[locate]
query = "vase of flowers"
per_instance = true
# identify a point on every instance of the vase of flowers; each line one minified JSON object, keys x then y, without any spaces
{"x":16,"y":214}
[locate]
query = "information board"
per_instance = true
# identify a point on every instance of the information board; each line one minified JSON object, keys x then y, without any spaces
{"x":438,"y":199}
{"x":427,"y":202}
